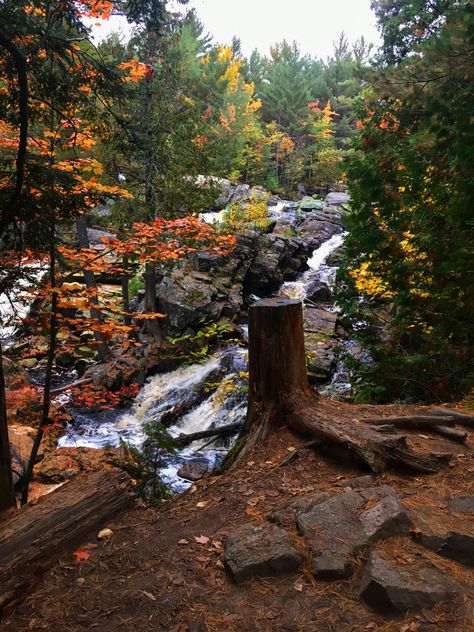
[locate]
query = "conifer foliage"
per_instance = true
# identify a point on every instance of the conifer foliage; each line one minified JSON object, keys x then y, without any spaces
{"x":409,"y":253}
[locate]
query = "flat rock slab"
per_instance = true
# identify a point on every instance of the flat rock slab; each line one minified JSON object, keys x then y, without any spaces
{"x":393,"y":589}
{"x":455,"y":545}
{"x":260,"y":550}
{"x":318,"y":320}
{"x":462,"y":505}
{"x":344,"y":526}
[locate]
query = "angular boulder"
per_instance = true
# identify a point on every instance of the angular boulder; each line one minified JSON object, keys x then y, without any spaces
{"x":344,"y":526}
{"x":462,"y":505}
{"x":455,"y":545}
{"x":259,"y":550}
{"x":336,"y":198}
{"x":393,"y":589}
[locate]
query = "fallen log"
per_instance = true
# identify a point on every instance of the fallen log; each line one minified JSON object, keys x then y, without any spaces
{"x":61,"y":389}
{"x":463,"y":419}
{"x":450,"y":433}
{"x":34,"y":537}
{"x":411,"y":421}
{"x":223,"y":431}
{"x":279,"y":393}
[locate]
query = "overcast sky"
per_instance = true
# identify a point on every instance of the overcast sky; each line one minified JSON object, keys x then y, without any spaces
{"x":314,"y":24}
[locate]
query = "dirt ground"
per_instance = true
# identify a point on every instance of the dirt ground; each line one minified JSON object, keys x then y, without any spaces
{"x":158,"y":572}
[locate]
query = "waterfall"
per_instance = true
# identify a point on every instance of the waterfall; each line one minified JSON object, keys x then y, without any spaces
{"x":318,"y":270}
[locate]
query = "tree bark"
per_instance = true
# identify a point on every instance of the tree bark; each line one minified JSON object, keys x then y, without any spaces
{"x":89,"y":279}
{"x":279,"y":393}
{"x":33,"y":538}
{"x":7,"y":495}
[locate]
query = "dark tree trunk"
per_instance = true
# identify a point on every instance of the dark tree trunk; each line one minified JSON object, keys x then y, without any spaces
{"x":277,"y":365}
{"x":53,"y":330}
{"x":151,"y":326}
{"x":7,"y":495}
{"x":279,"y":393}
{"x":33,"y":538}
{"x":89,"y":280}
{"x":127,"y":319}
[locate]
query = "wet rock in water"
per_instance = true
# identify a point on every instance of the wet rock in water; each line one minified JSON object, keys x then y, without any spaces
{"x":194,"y":470}
{"x":392,"y":589}
{"x":311,"y":205}
{"x":462,"y":505}
{"x":455,"y":545}
{"x":318,"y":320}
{"x":259,"y":550}
{"x":318,"y":227}
{"x":318,"y":291}
{"x":337,"y":198}
{"x":342,"y":527}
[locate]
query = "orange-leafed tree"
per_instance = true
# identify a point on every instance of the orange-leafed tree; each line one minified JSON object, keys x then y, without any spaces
{"x":52,"y":81}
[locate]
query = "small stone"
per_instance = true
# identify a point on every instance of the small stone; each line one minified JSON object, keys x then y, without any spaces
{"x":392,"y":589}
{"x":454,"y":545}
{"x":259,"y":550}
{"x":194,"y":470}
{"x":361,"y":482}
{"x":105,"y":534}
{"x":462,"y":505}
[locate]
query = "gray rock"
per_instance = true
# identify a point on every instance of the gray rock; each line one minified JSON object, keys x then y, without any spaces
{"x":312,"y":205}
{"x":462,"y":505}
{"x":95,"y":237}
{"x":340,"y":528}
{"x":455,"y":545}
{"x":361,"y":482}
{"x":185,"y":300}
{"x":318,"y":320}
{"x":391,"y":589}
{"x":337,"y":198}
{"x":260,"y":550}
{"x":194,"y":470}
{"x":318,"y":291}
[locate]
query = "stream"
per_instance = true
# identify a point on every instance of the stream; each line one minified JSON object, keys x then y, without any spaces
{"x":200,"y":390}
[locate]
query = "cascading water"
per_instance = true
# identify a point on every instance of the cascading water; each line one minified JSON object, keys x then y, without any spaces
{"x":195,"y":397}
{"x":318,"y":270}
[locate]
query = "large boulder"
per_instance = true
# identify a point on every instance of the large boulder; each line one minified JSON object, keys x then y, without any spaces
{"x":337,"y":198}
{"x":393,"y":589}
{"x":186,"y":300}
{"x":344,"y":526}
{"x":259,"y":550}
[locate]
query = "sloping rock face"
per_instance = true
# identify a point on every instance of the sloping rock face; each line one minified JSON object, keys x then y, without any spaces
{"x":207,"y":286}
{"x":260,"y":550}
{"x":344,"y":526}
{"x":393,"y":589}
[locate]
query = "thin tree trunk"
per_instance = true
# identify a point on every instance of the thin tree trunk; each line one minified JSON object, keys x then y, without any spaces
{"x":150,"y":326}
{"x":53,"y":330}
{"x":127,"y":319}
{"x":89,"y":279}
{"x":7,"y":494}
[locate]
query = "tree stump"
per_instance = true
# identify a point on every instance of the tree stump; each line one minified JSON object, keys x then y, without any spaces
{"x":279,"y":393}
{"x":277,"y":364}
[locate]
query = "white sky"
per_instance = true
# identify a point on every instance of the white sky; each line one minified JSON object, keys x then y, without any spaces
{"x":314,"y":24}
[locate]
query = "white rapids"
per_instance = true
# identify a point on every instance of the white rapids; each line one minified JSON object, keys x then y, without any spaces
{"x":318,"y":269}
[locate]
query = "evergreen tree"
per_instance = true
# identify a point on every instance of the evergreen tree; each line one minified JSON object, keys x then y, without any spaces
{"x":410,"y":247}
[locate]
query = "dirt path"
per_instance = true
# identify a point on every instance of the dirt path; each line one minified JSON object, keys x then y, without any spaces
{"x":163,"y":570}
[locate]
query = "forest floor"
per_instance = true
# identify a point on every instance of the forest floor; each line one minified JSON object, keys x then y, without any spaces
{"x":163,"y":569}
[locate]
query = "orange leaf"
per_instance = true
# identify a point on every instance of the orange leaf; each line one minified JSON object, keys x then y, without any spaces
{"x":81,"y":555}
